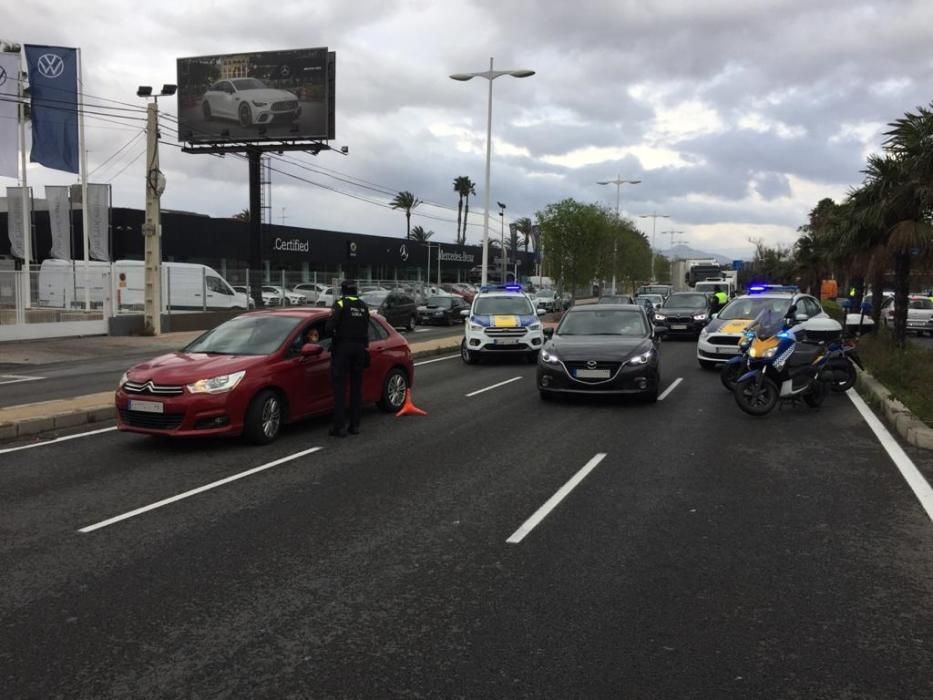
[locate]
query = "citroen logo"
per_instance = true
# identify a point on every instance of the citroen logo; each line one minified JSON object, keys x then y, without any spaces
{"x":591,"y":364}
{"x":51,"y":65}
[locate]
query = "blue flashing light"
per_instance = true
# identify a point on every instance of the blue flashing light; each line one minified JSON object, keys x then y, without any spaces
{"x":501,"y":288}
{"x":756,"y":289}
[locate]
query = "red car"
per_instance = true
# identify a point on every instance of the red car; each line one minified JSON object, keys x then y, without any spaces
{"x":253,"y":373}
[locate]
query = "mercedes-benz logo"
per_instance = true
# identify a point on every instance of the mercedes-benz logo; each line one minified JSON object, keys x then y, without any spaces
{"x":2,"y":75}
{"x":403,"y":252}
{"x":591,"y":364}
{"x":285,"y":71}
{"x":51,"y":65}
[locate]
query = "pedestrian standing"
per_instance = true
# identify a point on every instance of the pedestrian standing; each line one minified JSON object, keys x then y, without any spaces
{"x":348,"y":325}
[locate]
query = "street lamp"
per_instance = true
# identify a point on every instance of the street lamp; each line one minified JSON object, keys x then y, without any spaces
{"x":655,"y":216}
{"x":489,"y":75}
{"x":618,"y":182}
{"x":671,"y":233}
{"x":502,"y":239}
{"x":152,"y":228}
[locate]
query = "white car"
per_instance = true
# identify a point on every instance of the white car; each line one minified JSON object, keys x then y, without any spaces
{"x":281,"y":297}
{"x":499,"y":322}
{"x":548,"y":300}
{"x":248,"y":101}
{"x":327,"y":297}
{"x":244,"y":290}
{"x":310,"y":290}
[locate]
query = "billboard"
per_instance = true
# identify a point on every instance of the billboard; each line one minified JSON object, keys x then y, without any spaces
{"x":264,"y":96}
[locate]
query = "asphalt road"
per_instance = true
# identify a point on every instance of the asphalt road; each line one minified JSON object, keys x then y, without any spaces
{"x":707,"y":554}
{"x":46,"y":382}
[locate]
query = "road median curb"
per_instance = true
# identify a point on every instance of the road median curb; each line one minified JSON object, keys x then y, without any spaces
{"x":35,"y":419}
{"x":896,"y":414}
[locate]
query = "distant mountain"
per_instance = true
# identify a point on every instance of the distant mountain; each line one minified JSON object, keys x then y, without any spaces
{"x":683,"y":251}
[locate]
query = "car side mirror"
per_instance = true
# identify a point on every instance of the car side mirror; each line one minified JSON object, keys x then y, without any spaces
{"x":311,"y":350}
{"x":540,"y":311}
{"x":465,"y":313}
{"x":801,"y":317}
{"x":548,"y":333}
{"x":713,"y":316}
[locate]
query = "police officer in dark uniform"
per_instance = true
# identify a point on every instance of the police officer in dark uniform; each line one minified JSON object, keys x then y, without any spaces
{"x":348,"y":325}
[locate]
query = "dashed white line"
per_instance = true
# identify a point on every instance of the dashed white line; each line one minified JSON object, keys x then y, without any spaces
{"x":905,"y":465}
{"x":670,"y":388}
{"x":194,"y":492}
{"x":17,"y":378}
{"x":61,"y":439}
{"x":494,"y":386}
{"x":552,"y":502}
{"x":439,"y":359}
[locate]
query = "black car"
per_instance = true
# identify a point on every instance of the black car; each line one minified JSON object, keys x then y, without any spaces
{"x":397,"y":308}
{"x":601,"y":349}
{"x":684,"y":313}
{"x":442,"y":310}
{"x":616,"y":299}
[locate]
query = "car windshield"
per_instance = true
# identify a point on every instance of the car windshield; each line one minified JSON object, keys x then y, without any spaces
{"x":614,"y":300}
{"x":440,"y":302}
{"x":653,"y":290}
{"x":686,"y":301}
{"x":750,"y":307}
{"x":248,"y":84}
{"x":925,"y":304}
{"x":655,"y":299}
{"x":544,"y":294}
{"x":374,"y":299}
{"x":605,"y":322}
{"x":511,"y":305}
{"x":246,"y":335}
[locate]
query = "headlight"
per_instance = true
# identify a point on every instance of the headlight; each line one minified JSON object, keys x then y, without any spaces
{"x":704,"y":331}
{"x":534,"y":327}
{"x":260,"y":103}
{"x":475,"y":327}
{"x":123,"y":379}
{"x":642,"y":359}
{"x":549,"y":356}
{"x":659,"y":317}
{"x":699,"y":317}
{"x":217,"y":385}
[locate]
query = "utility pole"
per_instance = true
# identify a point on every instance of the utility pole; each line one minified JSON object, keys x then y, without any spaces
{"x":503,"y":259}
{"x":618,"y":182}
{"x":152,"y":229}
{"x":654,"y":216}
{"x":671,"y":234}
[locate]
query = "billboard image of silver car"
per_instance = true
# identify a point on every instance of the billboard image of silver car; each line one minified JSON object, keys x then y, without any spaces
{"x":265,"y":96}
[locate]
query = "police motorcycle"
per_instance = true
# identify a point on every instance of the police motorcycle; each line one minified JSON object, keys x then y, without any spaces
{"x":786,"y":362}
{"x":737,"y":365}
{"x":841,"y":361}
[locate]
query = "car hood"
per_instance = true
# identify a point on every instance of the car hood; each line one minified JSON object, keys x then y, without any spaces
{"x":602,"y":348}
{"x":732,"y":327}
{"x":268,"y":94}
{"x":184,"y":367}
{"x":679,"y":311}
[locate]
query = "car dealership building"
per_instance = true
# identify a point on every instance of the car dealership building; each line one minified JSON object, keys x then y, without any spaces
{"x":289,"y":252}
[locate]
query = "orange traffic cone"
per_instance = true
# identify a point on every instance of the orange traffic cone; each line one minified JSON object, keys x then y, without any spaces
{"x":408,"y":408}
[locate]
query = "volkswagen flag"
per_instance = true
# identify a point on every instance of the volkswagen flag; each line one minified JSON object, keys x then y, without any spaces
{"x":9,"y":113}
{"x":53,"y":87}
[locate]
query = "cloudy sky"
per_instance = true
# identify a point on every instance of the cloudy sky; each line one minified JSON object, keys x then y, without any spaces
{"x":737,"y":116}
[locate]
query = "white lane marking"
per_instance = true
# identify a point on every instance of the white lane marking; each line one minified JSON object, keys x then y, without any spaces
{"x":439,"y":359}
{"x":423,"y":330}
{"x":905,"y":465}
{"x":61,"y":439}
{"x":552,"y":502}
{"x":670,"y":388}
{"x":199,"y":489}
{"x":17,"y":378}
{"x":494,"y":386}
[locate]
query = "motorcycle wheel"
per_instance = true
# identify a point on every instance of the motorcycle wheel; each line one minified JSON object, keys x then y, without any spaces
{"x":756,"y":401}
{"x":816,"y":395}
{"x":729,"y":375}
{"x":842,"y":385}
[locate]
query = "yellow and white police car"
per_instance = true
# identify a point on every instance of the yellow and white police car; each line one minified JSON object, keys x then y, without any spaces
{"x":502,"y":320}
{"x":719,"y":340}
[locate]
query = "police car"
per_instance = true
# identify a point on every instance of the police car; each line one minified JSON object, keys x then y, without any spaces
{"x":502,"y":320}
{"x":719,"y":340}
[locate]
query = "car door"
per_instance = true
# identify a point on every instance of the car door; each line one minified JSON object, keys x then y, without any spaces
{"x":313,"y":391}
{"x":379,"y":361}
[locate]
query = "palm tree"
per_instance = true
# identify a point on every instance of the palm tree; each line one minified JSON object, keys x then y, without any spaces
{"x":523,"y":226}
{"x":407,"y":201}
{"x":419,"y":235}
{"x":242,"y":215}
{"x":469,"y":187}
{"x":463,"y":186}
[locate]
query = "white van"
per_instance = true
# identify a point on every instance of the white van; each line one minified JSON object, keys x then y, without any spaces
{"x":61,"y":285}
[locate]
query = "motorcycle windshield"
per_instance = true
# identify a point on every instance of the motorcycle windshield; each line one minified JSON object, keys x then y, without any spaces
{"x":768,"y":323}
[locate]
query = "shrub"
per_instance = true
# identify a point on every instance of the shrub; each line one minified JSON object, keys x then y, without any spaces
{"x":907,"y":373}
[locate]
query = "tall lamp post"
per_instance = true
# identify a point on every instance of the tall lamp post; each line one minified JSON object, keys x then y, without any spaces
{"x":618,"y":182}
{"x":152,"y":228}
{"x":671,"y":233}
{"x":504,"y":258}
{"x":489,"y":75}
{"x":655,"y":216}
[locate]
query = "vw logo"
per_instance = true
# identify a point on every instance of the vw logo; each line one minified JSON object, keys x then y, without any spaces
{"x":403,"y":252}
{"x":591,"y":364}
{"x":51,"y":65}
{"x":2,"y":75}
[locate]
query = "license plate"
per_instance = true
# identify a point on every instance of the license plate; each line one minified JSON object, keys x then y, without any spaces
{"x":592,"y":374}
{"x":678,"y":326}
{"x":505,"y":341}
{"x":147,"y":406}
